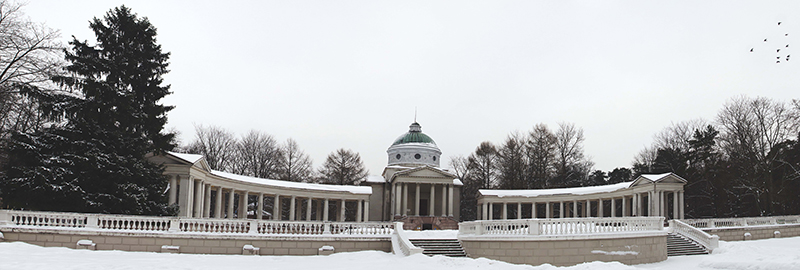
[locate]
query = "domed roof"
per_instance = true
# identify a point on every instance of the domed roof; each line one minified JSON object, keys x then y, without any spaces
{"x":414,"y":135}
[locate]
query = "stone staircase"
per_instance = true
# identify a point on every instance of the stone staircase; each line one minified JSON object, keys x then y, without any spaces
{"x":446,"y":247}
{"x":678,"y":245}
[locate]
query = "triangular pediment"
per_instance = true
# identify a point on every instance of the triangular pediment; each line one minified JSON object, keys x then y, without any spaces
{"x":424,"y":172}
{"x":176,"y":159}
{"x":658,"y":178}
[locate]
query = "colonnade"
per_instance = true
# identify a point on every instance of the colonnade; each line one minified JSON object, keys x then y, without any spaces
{"x":194,"y":198}
{"x":650,"y":203}
{"x":402,"y":199}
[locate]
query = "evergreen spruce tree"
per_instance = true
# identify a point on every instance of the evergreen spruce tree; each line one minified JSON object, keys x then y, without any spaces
{"x":93,"y":158}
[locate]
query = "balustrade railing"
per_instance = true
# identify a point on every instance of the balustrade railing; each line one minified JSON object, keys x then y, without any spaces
{"x":561,"y":226}
{"x":741,"y":222}
{"x":710,"y":242}
{"x":191,"y":225}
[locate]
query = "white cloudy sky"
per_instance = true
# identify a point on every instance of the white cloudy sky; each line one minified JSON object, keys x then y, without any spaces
{"x":348,"y":74}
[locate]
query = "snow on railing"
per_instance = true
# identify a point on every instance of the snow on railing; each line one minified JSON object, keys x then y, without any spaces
{"x":400,"y":240}
{"x":191,"y":225}
{"x":710,"y":242}
{"x":741,"y":222}
{"x":561,"y":226}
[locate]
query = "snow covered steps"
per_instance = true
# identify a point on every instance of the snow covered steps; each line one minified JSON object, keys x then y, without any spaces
{"x":446,"y":247}
{"x":678,"y":245}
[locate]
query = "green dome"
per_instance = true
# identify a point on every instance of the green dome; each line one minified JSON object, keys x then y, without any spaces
{"x":414,"y":135}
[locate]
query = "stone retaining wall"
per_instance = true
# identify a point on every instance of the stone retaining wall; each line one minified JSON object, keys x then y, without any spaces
{"x":756,"y":232}
{"x":567,"y":251}
{"x":195,"y":244}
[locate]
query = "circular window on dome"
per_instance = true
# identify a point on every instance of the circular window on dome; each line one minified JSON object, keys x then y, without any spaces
{"x":397,"y":156}
{"x":417,"y":156}
{"x":434,"y":158}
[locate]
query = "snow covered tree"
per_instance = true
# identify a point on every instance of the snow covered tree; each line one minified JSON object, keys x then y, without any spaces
{"x":93,"y":158}
{"x":343,"y":167}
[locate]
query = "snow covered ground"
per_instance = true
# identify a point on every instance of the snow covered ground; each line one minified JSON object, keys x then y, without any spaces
{"x":751,"y":255}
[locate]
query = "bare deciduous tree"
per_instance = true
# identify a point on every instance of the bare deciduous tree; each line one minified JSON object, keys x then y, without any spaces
{"x":541,"y":148}
{"x":257,"y":154}
{"x":216,"y":144}
{"x":343,"y":167}
{"x":296,"y":165}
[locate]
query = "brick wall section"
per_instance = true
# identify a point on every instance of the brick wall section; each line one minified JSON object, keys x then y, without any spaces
{"x":756,"y":232}
{"x":200,"y":244}
{"x":567,"y":252}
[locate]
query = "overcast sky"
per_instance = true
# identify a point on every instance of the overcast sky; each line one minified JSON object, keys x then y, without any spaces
{"x":348,"y":74}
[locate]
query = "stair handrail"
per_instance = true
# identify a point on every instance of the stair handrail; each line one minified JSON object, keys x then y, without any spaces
{"x":709,"y":242}
{"x":399,"y":239}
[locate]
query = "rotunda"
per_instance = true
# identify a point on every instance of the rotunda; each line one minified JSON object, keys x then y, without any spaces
{"x":414,"y":148}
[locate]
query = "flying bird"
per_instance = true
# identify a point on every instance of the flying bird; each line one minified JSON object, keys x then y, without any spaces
{"x":786,"y":35}
{"x":778,"y":57}
{"x":765,"y":40}
{"x":779,"y":50}
{"x":787,"y":45}
{"x":751,"y":49}
{"x":778,"y":62}
{"x":779,"y":23}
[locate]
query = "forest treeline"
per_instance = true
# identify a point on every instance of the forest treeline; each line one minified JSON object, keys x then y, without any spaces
{"x":744,"y":162}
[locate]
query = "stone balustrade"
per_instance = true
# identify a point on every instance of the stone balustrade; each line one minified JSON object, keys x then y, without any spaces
{"x":401,"y":241}
{"x":130,"y":223}
{"x":561,"y":226}
{"x":710,"y":242}
{"x":742,"y":222}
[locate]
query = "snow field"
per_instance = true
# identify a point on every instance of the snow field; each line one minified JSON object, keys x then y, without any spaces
{"x":779,"y":253}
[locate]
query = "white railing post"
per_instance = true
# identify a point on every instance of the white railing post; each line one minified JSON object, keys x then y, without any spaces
{"x":91,"y":222}
{"x":175,"y":224}
{"x":533,"y":227}
{"x":5,"y":218}
{"x":326,"y":227}
{"x":253,"y":227}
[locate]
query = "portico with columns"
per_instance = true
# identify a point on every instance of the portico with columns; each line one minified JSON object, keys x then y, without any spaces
{"x":413,"y":188}
{"x":647,"y":195}
{"x":201,"y":192}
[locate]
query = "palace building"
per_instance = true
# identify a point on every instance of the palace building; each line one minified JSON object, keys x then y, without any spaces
{"x":413,"y":188}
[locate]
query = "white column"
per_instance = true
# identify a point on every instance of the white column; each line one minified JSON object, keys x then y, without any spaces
{"x":198,"y":199}
{"x":405,"y":200}
{"x":432,"y":200}
{"x":397,"y":200}
{"x":185,"y":197}
{"x":613,"y":207}
{"x":218,"y":204}
{"x":366,"y":210}
{"x":230,"y":203}
{"x":588,"y":206}
{"x":308,"y":209}
{"x":624,"y":206}
{"x":276,"y":207}
{"x":260,"y":208}
{"x":291,"y":208}
{"x":485,"y":210}
{"x":207,"y":201}
{"x":444,"y":200}
{"x":505,"y":211}
{"x":341,"y":211}
{"x":325,"y":211}
{"x":358,"y":211}
{"x":533,"y":210}
{"x":662,"y":206}
{"x":561,"y":210}
{"x":574,"y":209}
{"x":416,"y":200}
{"x":600,"y":208}
{"x":243,"y":205}
{"x":681,"y":204}
{"x":547,"y":210}
{"x":491,"y":211}
{"x":450,"y":202}
{"x":173,"y":189}
{"x":650,"y":204}
{"x":519,"y":210}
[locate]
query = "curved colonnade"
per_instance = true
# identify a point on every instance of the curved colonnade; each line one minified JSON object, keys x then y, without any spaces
{"x":648,"y":195}
{"x":201,"y":192}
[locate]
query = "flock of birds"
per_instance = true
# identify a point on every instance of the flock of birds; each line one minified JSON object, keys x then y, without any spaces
{"x":778,"y":50}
